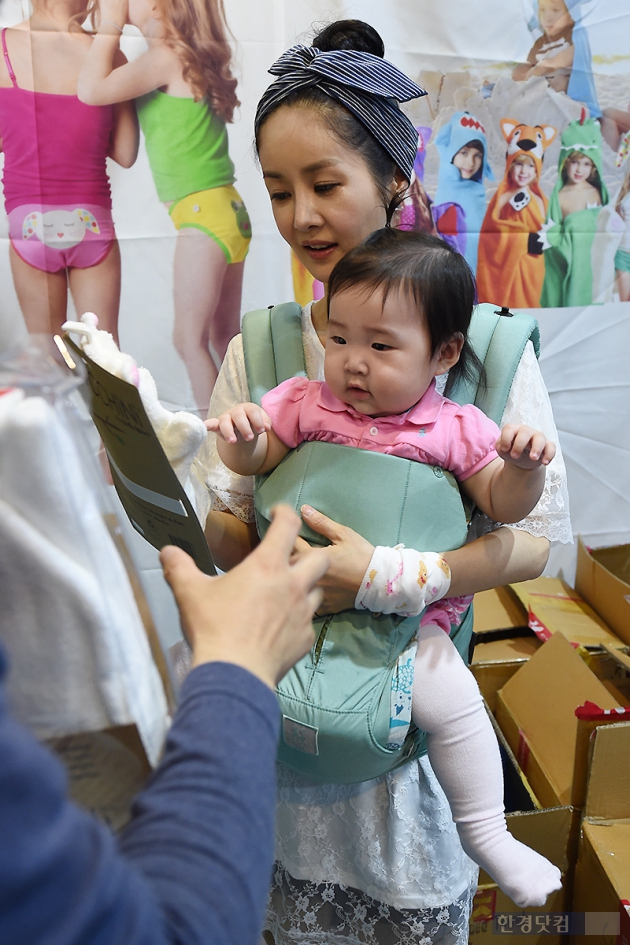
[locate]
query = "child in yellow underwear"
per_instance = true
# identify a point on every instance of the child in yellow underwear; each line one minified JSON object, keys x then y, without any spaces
{"x":185,"y":95}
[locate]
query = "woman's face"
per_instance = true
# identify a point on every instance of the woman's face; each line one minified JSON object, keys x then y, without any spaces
{"x":579,"y":169}
{"x":523,"y":172}
{"x":324,"y":199}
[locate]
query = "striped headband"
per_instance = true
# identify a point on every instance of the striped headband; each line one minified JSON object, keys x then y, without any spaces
{"x":368,"y":86}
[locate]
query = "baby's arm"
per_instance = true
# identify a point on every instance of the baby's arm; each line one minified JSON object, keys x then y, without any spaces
{"x":246,"y":442}
{"x":103,"y":82}
{"x":508,"y":488}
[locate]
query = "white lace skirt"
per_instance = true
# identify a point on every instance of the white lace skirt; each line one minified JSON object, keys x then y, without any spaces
{"x":377,"y":863}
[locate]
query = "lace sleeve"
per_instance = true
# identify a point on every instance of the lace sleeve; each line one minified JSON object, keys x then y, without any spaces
{"x":528,"y":402}
{"x":216,"y":487}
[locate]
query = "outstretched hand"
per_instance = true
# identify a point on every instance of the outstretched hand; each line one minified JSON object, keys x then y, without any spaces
{"x":525,"y":447}
{"x":258,"y":615}
{"x":246,"y":420}
{"x":349,"y":554}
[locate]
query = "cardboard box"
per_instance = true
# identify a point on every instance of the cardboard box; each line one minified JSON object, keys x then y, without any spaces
{"x":547,"y":831}
{"x":536,"y":712}
{"x":497,"y":657}
{"x":603,"y":579}
{"x":602,"y":876}
{"x":537,"y":709}
{"x":498,"y":609}
{"x":552,"y":605}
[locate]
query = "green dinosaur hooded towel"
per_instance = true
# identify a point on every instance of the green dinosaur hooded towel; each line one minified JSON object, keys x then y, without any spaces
{"x":568,"y":242}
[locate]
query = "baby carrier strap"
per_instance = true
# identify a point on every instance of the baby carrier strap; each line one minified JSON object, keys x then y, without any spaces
{"x":272,"y":343}
{"x":498,"y":338}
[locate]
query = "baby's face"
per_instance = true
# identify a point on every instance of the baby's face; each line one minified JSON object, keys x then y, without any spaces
{"x":468,"y":161}
{"x":579,"y":169}
{"x":523,"y":172}
{"x":553,"y":16}
{"x":378,"y":357}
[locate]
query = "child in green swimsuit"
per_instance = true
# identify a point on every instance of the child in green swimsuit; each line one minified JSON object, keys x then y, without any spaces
{"x":570,"y":229}
{"x":185,"y":95}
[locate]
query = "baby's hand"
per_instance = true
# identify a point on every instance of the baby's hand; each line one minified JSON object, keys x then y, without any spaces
{"x":248,"y":420}
{"x":524,"y":447}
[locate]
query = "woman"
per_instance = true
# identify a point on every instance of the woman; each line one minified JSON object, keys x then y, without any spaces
{"x":377,"y":862}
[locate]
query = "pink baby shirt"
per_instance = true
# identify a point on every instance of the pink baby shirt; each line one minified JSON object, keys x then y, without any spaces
{"x":435,"y":431}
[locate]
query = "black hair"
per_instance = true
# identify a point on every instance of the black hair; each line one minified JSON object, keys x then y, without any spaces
{"x":360,"y":36}
{"x":436,"y":276}
{"x":478,"y":145}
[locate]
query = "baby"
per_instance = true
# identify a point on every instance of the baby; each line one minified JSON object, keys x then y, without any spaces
{"x":399,"y":309}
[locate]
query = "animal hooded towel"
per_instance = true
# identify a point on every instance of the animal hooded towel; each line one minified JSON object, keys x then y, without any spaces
{"x":568,"y":243}
{"x":460,"y":203}
{"x":511,"y":268}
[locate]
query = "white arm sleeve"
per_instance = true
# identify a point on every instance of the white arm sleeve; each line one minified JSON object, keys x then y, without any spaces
{"x":403,"y":581}
{"x":217,"y":487}
{"x":528,"y":402}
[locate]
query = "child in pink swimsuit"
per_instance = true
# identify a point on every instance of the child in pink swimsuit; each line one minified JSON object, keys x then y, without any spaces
{"x":399,"y":309}
{"x":56,"y":189}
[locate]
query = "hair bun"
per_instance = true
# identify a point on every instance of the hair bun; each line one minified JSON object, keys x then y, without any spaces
{"x":350,"y":34}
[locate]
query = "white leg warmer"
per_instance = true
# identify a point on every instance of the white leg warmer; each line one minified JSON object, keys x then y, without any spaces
{"x":464,"y":754}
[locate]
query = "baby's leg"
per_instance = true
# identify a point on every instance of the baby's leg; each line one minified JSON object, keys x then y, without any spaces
{"x":464,"y":754}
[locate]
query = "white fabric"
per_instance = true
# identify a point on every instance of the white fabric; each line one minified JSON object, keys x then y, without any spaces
{"x":392,"y":840}
{"x":403,"y":581}
{"x":80,"y":659}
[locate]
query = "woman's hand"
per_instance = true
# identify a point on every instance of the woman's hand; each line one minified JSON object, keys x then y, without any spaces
{"x":349,"y":554}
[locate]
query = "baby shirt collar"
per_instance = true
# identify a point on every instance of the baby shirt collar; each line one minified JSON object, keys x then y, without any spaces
{"x":426,"y":411}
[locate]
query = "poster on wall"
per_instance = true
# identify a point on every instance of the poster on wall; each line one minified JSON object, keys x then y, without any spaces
{"x":522,"y":165}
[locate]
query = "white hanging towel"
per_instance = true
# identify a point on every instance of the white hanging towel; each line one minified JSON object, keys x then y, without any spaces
{"x":79,"y":656}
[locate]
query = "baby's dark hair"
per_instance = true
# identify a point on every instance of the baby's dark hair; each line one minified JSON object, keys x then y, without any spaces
{"x":435,"y":275}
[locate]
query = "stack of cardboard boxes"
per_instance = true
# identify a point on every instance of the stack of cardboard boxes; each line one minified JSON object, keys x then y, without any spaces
{"x":553,"y":664}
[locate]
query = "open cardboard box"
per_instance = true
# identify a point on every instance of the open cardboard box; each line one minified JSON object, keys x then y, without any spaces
{"x":496,"y":658}
{"x":537,"y":707}
{"x":536,"y":710}
{"x":546,"y":830}
{"x":603,"y":579}
{"x":511,"y":623}
{"x":602,"y":875}
{"x":552,"y":605}
{"x":503,"y":640}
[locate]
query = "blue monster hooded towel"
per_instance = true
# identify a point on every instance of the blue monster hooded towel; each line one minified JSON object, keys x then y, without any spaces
{"x":468,"y":197}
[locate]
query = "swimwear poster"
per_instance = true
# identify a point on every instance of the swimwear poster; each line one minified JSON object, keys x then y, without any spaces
{"x":523,"y":165}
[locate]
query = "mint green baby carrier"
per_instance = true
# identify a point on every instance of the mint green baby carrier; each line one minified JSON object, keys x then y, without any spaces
{"x":335,"y":702}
